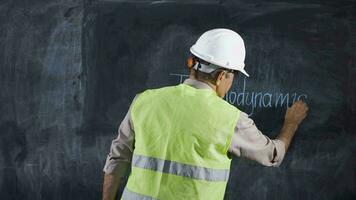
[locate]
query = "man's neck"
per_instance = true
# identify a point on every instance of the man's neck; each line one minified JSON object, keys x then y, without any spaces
{"x":206,"y":82}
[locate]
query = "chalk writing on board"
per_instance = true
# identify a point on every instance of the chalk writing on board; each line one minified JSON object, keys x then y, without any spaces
{"x":255,"y":99}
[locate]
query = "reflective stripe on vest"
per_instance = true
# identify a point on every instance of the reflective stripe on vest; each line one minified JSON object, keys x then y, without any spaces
{"x":180,"y":169}
{"x":130,"y":195}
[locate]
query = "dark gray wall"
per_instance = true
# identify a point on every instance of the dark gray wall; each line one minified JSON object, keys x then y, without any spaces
{"x":42,"y":93}
{"x":69,"y":70}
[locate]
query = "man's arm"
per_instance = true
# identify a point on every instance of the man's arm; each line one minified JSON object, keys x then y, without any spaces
{"x":110,"y":186}
{"x":250,"y":143}
{"x":119,"y":159}
{"x":294,"y":116}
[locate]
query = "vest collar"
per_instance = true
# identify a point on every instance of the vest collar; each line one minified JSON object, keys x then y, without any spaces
{"x":197,"y":84}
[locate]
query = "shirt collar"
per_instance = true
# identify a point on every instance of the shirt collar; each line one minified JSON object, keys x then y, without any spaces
{"x":197,"y":84}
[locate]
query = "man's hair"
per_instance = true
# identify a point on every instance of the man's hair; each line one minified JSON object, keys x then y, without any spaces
{"x":211,"y":77}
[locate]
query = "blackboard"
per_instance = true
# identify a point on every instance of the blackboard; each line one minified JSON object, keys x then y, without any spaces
{"x":62,"y":102}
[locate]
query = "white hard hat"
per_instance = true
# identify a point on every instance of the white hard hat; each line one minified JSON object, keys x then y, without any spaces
{"x":222,"y":48}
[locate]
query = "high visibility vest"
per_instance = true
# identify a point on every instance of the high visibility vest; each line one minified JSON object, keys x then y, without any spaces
{"x":182,"y":135}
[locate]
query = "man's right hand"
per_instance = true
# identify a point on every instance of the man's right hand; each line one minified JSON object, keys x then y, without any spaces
{"x":296,"y":113}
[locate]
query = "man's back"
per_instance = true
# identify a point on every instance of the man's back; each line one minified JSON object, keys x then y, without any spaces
{"x":182,"y":135}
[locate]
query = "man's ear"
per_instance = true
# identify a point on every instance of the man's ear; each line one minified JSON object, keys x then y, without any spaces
{"x":221,"y":76}
{"x":190,"y":62}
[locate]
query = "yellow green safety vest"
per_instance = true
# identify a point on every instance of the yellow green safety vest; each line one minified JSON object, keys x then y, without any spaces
{"x":182,"y":135}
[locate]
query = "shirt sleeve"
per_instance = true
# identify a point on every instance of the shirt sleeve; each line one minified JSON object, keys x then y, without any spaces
{"x":249,"y":142}
{"x":121,"y":149}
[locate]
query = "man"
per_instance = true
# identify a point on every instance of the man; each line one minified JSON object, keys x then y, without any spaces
{"x":179,"y":140}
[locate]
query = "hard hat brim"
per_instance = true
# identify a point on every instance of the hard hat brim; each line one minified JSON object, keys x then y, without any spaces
{"x":244,"y":72}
